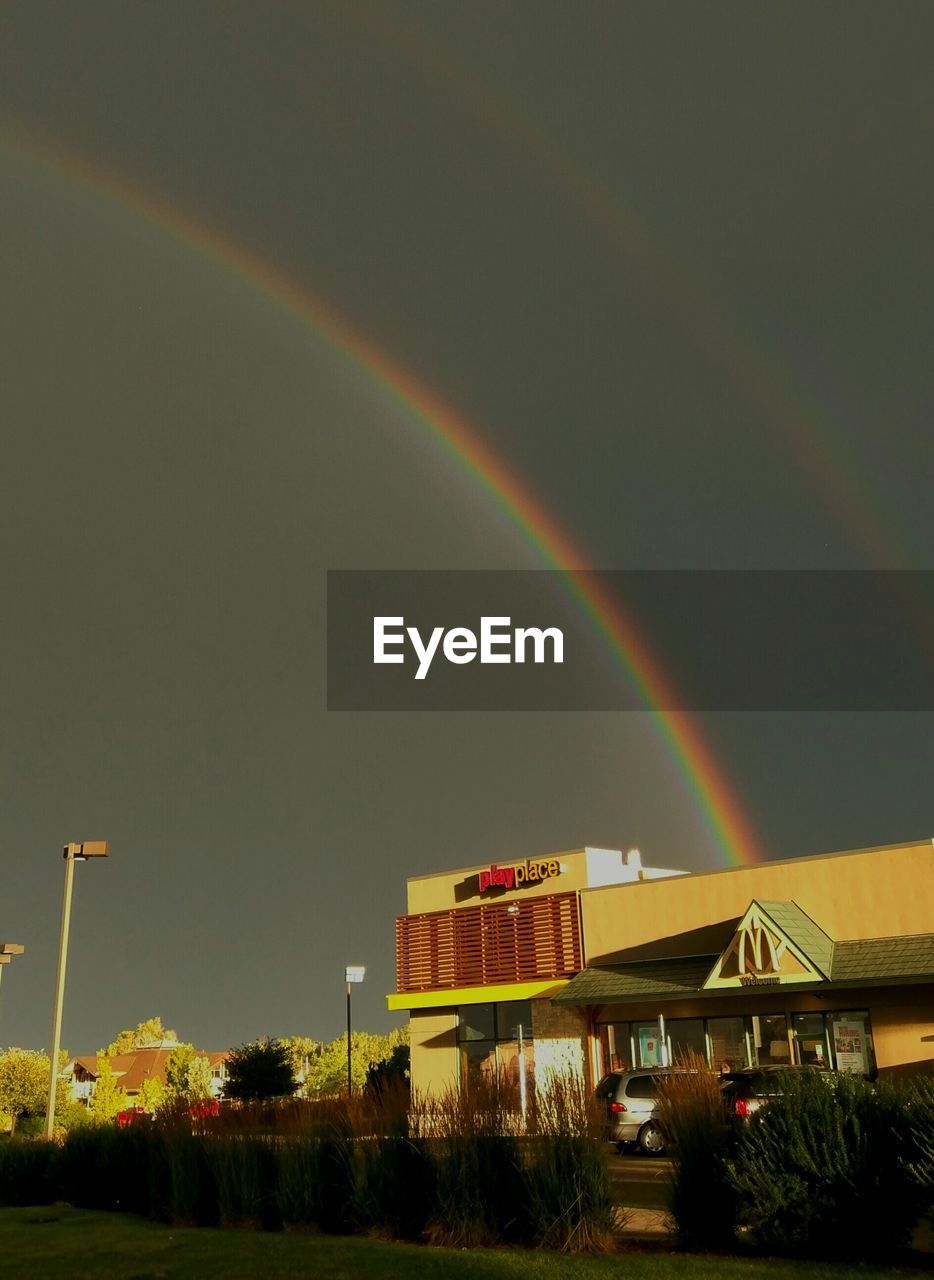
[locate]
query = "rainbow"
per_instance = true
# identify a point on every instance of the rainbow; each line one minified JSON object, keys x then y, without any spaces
{"x":796,"y":421}
{"x":705,"y":782}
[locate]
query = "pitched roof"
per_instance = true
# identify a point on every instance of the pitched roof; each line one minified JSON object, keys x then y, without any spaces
{"x":802,"y":932}
{"x":637,"y":980}
{"x":131,"y":1069}
{"x":911,"y":956}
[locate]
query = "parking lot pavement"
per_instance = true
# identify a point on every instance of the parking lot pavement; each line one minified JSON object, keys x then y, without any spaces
{"x":639,"y":1182}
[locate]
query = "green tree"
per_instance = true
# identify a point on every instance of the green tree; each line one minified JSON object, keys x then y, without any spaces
{"x":199,"y":1079}
{"x":302,"y":1053}
{"x":391,"y":1072}
{"x":187,"y":1075}
{"x":176,"y":1070}
{"x":145,"y":1035}
{"x":151,"y":1093}
{"x":24,"y":1083}
{"x":258,"y":1071}
{"x":328,"y":1073}
{"x":109,"y":1095}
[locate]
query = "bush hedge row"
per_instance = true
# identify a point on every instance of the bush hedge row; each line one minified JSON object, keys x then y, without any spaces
{"x":470,"y":1181}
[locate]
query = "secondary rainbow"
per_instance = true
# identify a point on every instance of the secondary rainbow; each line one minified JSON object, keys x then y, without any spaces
{"x":699,"y":770}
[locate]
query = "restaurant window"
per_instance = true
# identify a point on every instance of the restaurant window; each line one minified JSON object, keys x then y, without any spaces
{"x":727,"y":1042}
{"x":615,"y":1046}
{"x":810,"y":1037}
{"x":495,"y":1041}
{"x":770,"y":1040}
{"x":686,"y":1037}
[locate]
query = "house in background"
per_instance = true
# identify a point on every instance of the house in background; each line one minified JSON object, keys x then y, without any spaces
{"x":131,"y":1069}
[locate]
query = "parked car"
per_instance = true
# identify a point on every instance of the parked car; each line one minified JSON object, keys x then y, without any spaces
{"x":747,"y":1091}
{"x":630,"y":1098}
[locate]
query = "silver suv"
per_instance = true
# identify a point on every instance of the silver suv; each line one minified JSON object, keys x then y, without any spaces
{"x":630,"y":1099}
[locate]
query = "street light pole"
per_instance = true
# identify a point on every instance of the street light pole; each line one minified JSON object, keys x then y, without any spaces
{"x":72,"y":853}
{"x":352,"y":973}
{"x":7,"y":951}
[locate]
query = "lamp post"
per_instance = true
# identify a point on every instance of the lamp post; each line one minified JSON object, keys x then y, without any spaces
{"x":7,"y":951}
{"x":72,"y":853}
{"x":352,"y":973}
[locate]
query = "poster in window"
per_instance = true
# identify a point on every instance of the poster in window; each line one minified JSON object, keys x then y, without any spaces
{"x":849,"y":1043}
{"x":650,"y":1047}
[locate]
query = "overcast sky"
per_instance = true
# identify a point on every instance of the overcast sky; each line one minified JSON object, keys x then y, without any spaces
{"x":672,"y":261}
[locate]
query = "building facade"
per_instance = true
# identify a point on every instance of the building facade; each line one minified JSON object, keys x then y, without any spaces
{"x":587,"y":961}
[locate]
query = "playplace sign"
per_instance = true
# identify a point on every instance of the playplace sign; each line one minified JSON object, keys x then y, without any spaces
{"x":518,"y":873}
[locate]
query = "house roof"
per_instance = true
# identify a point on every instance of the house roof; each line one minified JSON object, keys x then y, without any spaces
{"x":131,"y":1069}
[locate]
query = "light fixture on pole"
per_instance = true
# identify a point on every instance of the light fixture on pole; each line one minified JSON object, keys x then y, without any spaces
{"x":8,"y":950}
{"x":352,"y":973}
{"x":72,"y":853}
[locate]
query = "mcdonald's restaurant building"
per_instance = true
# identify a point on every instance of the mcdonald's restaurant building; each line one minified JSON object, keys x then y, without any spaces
{"x":588,"y":961}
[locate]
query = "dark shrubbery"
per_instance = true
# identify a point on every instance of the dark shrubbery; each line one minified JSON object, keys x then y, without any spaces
{"x":825,"y":1169}
{"x":568,"y":1205}
{"x":832,"y":1167}
{"x":921,"y":1104}
{"x":702,"y":1200}
{"x":459,"y":1170}
{"x":28,"y":1172}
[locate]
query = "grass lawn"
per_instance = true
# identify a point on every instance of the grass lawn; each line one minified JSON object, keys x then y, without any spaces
{"x":58,"y":1241}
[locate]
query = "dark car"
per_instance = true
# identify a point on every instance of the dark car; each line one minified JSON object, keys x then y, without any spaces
{"x":630,"y":1098}
{"x":747,"y":1091}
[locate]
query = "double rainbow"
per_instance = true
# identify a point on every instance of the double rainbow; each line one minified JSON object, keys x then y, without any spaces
{"x":704,"y":780}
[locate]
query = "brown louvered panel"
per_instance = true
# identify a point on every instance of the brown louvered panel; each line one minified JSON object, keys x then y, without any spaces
{"x":485,"y":945}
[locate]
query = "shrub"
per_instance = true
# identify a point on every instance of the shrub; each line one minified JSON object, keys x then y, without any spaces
{"x":28,"y":1173}
{"x":396,"y":1186}
{"x":245,"y":1175}
{"x":299,"y":1181}
{"x":824,"y":1169}
{"x":567,"y":1200}
{"x":337,"y":1183}
{"x":460,"y":1170}
{"x":192,"y":1184}
{"x":478,"y":1166}
{"x":921,"y":1110}
{"x":702,"y":1200}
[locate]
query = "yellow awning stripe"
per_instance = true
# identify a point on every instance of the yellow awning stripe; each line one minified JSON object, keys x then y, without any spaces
{"x":475,"y":995}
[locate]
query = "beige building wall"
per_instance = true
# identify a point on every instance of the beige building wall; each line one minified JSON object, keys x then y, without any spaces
{"x":866,"y":893}
{"x":903,"y":1029}
{"x":434,"y":1061}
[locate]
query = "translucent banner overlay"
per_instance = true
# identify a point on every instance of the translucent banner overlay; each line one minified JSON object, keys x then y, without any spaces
{"x":625,"y":640}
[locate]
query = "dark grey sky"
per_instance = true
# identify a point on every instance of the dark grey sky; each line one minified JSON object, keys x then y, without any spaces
{"x":675,"y":264}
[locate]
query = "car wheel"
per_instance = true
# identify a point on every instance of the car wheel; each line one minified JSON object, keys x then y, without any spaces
{"x":652,"y":1139}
